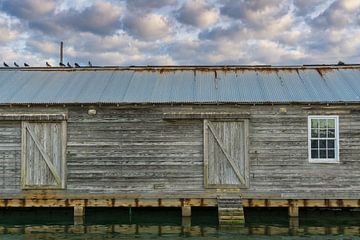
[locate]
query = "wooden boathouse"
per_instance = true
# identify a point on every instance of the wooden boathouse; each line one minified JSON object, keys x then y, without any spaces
{"x":185,"y":136}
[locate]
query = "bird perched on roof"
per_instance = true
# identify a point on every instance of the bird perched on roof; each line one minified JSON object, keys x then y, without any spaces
{"x":15,"y":64}
{"x":26,"y":65}
{"x":68,"y":64}
{"x":89,"y":63}
{"x":77,"y":65}
{"x":5,"y":65}
{"x":62,"y":65}
{"x":48,"y":64}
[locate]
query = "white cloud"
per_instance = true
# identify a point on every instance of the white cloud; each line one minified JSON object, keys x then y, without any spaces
{"x":170,"y":32}
{"x":198,"y":13}
{"x":148,"y":27}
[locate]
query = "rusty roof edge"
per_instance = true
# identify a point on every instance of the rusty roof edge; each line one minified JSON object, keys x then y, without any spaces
{"x":185,"y":67}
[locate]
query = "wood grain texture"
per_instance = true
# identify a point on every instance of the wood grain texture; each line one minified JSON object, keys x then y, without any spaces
{"x":133,"y":150}
{"x":42,"y":152}
{"x":10,"y":155}
{"x":226,"y":146}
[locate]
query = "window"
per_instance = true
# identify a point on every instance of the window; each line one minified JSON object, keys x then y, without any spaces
{"x":323,"y":137}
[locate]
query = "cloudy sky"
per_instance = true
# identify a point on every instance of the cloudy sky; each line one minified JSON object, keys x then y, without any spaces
{"x":180,"y":32}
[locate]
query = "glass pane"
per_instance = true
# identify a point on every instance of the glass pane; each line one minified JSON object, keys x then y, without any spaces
{"x":331,"y":143}
{"x":331,"y":153}
{"x":314,"y":133}
{"x":323,"y":133}
{"x":331,"y":123}
{"x":314,"y":143}
{"x":322,"y":153}
{"x":314,"y":123}
{"x":331,"y":133}
{"x":322,"y":123}
{"x":314,"y":153}
{"x":322,"y":143}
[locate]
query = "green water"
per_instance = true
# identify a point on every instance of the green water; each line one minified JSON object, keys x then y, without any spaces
{"x":147,"y":223}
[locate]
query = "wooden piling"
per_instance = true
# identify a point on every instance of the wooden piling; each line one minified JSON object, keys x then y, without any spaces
{"x":186,"y":211}
{"x":294,"y":208}
{"x":79,"y":211}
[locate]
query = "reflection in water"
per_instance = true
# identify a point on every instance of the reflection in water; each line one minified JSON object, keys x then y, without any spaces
{"x":140,"y":223}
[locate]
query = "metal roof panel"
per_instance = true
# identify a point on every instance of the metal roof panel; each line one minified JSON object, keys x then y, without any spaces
{"x":180,"y":85}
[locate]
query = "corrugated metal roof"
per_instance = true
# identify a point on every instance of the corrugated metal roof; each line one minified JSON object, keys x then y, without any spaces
{"x":304,"y":84}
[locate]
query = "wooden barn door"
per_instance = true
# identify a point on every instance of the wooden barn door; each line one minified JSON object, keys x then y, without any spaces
{"x":43,"y":155}
{"x":225,"y":154}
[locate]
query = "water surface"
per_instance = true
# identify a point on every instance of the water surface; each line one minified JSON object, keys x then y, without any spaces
{"x":155,"y":223}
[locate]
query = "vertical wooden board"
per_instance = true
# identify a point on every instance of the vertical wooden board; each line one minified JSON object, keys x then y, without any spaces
{"x":206,"y":152}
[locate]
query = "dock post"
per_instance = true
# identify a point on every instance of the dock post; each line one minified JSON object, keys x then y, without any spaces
{"x":186,"y":224}
{"x":79,"y":213}
{"x":293,"y":208}
{"x":186,"y":211}
{"x":294,"y":225}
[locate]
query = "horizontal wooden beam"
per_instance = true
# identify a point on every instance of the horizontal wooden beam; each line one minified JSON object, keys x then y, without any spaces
{"x":201,"y":231}
{"x":174,"y":202}
{"x":204,"y":115}
{"x":26,"y":116}
{"x":321,"y":203}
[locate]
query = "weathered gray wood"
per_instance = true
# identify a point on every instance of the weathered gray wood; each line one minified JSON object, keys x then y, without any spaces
{"x":32,"y":116}
{"x":226,"y":163}
{"x":132,"y":149}
{"x":204,"y":115}
{"x":227,"y":155}
{"x":43,"y":155}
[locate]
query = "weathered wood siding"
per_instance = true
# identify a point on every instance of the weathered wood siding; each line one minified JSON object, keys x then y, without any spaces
{"x":10,"y":156}
{"x":132,"y":149}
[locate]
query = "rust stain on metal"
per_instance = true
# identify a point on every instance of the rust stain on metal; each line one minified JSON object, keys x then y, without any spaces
{"x":163,"y":69}
{"x":323,"y":71}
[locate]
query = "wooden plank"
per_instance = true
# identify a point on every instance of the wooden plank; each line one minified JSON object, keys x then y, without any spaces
{"x":203,"y":115}
{"x":33,"y":116}
{"x":100,"y":203}
{"x":206,"y":152}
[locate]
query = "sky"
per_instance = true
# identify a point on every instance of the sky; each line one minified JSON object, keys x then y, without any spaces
{"x":180,"y":32}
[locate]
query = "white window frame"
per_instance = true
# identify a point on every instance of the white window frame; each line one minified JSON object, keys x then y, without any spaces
{"x":324,"y":160}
